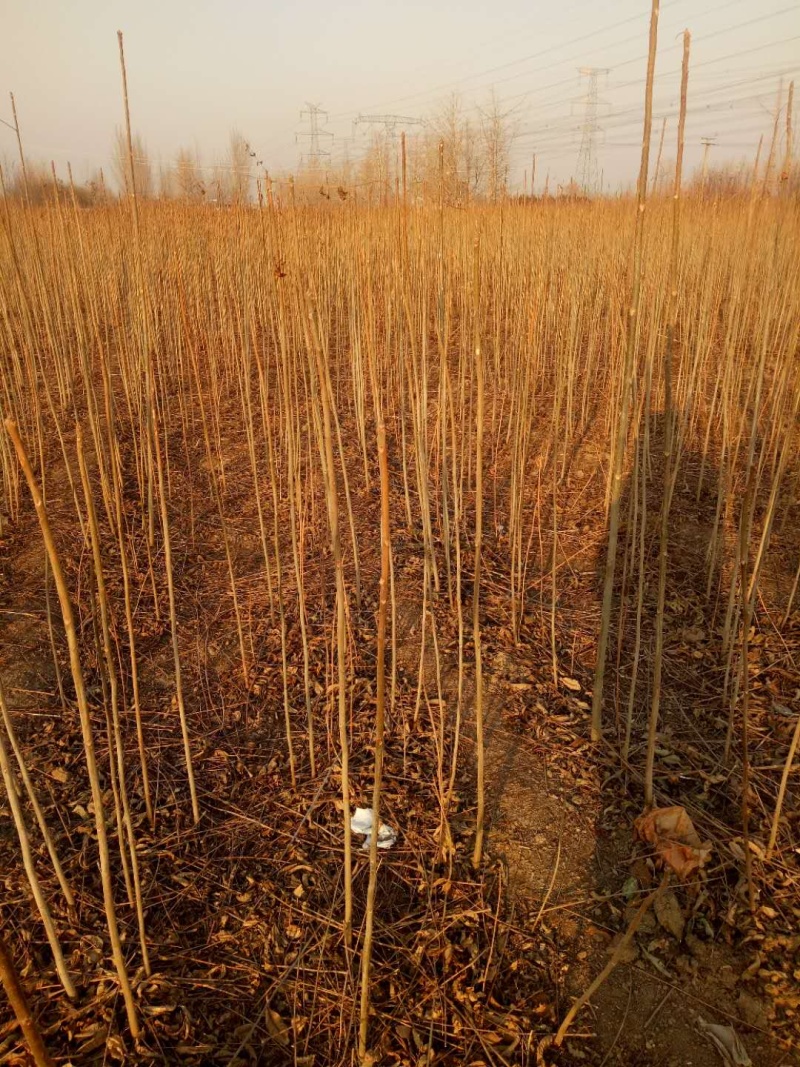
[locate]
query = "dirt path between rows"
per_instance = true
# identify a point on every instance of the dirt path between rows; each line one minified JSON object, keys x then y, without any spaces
{"x":564,"y":836}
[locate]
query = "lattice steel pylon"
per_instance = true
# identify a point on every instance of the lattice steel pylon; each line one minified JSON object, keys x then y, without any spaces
{"x":587,"y":173}
{"x":315,"y":156}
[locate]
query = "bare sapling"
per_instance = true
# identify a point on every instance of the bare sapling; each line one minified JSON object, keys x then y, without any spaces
{"x":18,"y":134}
{"x":639,"y":523}
{"x":324,"y":399}
{"x":787,"y":770}
{"x":293,"y":493}
{"x":349,"y":506}
{"x":477,"y":852}
{"x":657,"y":168}
{"x":456,"y":733}
{"x":666,"y":493}
{"x":19,"y":1005}
{"x":747,"y":618}
{"x":273,"y":477}
{"x":113,"y":774}
{"x":30,"y":868}
{"x":142,"y":324}
{"x":116,"y":742}
{"x":8,"y":724}
{"x":621,"y":430}
{"x":773,"y":144}
{"x":554,"y":550}
{"x":247,"y":406}
{"x":788,"y":143}
{"x":380,"y":704}
{"x":116,"y":478}
{"x":173,"y":614}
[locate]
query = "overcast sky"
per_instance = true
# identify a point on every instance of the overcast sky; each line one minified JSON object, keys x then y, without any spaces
{"x":196,"y":69}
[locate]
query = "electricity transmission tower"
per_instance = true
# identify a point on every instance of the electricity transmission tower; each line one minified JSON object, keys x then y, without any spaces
{"x":317,"y":118}
{"x":390,"y":123}
{"x":587,"y":172}
{"x":707,"y":143}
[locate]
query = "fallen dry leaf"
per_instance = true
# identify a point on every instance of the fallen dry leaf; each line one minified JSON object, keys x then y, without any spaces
{"x":672,"y":834}
{"x":276,"y":1027}
{"x":727,"y":1043}
{"x":668,"y":912}
{"x":93,"y":1039}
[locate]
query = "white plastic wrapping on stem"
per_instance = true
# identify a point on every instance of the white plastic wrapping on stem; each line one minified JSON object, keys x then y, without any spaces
{"x":361,"y":822}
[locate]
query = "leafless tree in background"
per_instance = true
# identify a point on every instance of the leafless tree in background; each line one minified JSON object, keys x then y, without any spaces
{"x":497,"y":136}
{"x":239,"y":178}
{"x":142,"y":168}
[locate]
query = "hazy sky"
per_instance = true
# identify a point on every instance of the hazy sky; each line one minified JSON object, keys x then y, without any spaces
{"x":196,"y":69}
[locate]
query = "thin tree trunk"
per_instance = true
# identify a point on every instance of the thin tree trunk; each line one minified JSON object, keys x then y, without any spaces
{"x":325,"y":396}
{"x":618,"y":456}
{"x":476,"y":592}
{"x":8,"y":722}
{"x":173,"y":615}
{"x":19,"y":1004}
{"x":30,"y":869}
{"x":666,"y":493}
{"x":115,"y":741}
{"x":380,"y":703}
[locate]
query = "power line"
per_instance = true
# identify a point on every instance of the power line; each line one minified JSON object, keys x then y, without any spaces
{"x":671,"y":48}
{"x":512,"y":63}
{"x":428,"y":93}
{"x":390,"y":123}
{"x":669,"y":109}
{"x":543,"y":135}
{"x":539,"y":134}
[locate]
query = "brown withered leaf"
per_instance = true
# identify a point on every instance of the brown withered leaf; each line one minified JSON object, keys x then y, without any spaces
{"x":671,"y":832}
{"x":93,"y":1039}
{"x":276,"y":1027}
{"x":669,"y":914}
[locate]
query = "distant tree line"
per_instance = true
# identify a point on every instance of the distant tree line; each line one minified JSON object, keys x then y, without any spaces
{"x":460,"y":156}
